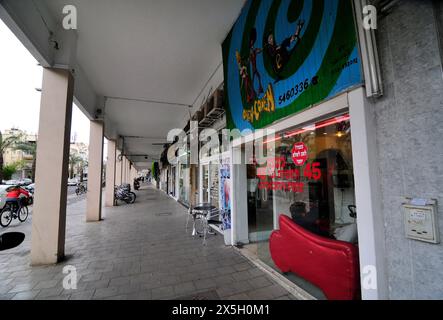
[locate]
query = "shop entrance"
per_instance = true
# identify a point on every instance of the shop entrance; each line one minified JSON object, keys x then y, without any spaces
{"x":210,"y":183}
{"x":310,"y":180}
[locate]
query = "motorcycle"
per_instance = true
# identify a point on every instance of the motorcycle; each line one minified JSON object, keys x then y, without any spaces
{"x":123,"y":193}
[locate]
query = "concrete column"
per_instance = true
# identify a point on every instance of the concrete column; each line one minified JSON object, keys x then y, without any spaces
{"x":110,"y":174}
{"x":133,"y":174}
{"x":371,"y":236}
{"x":95,"y":173}
{"x":124,"y":170}
{"x":239,"y":194}
{"x":49,"y":214}
{"x":118,"y":169}
{"x":128,"y":173}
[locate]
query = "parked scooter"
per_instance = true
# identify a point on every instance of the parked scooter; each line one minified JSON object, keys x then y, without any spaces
{"x":123,"y":193}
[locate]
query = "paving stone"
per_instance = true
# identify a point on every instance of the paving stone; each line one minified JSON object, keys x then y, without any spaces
{"x":82,"y":295}
{"x":129,"y":289}
{"x":242,"y":275}
{"x":205,"y":284}
{"x":162,"y":293}
{"x":234,"y":288}
{"x":103,"y":293}
{"x":241,"y":296}
{"x":8,"y":296}
{"x":260,"y":282}
{"x":22,"y":288}
{"x":51,"y":292}
{"x":47,"y":284}
{"x":242,"y":266}
{"x":184,"y":288}
{"x":26,"y":295}
{"x":120,"y":281}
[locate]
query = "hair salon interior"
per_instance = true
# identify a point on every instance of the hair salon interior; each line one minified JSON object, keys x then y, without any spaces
{"x":347,"y":207}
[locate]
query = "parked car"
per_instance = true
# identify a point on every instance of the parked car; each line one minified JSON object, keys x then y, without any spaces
{"x":12,"y":182}
{"x":3,"y":195}
{"x":72,"y":182}
{"x":31,"y":188}
{"x":25,"y":182}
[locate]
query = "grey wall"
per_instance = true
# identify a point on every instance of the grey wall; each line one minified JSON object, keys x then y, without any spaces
{"x":409,"y":121}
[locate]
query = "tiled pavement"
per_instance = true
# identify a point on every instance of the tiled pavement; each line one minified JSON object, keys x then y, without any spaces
{"x":139,"y":251}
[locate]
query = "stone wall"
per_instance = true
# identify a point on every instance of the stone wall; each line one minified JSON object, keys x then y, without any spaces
{"x":409,"y":120}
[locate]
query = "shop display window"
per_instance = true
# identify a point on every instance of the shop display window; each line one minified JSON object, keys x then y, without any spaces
{"x":309,"y":178}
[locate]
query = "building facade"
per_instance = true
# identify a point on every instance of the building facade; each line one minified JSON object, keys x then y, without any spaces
{"x":23,"y":159}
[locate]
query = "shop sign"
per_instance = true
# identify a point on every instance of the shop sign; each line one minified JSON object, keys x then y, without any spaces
{"x":284,"y":56}
{"x":279,"y":176}
{"x":300,"y":154}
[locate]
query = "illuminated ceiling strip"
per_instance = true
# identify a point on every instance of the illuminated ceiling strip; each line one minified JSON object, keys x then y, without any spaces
{"x":312,"y":128}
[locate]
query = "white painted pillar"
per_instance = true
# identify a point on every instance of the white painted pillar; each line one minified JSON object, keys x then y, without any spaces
{"x":128,"y":171}
{"x":95,"y":173}
{"x":110,"y":174}
{"x":118,"y":168}
{"x":49,"y":214}
{"x":124,"y":163}
{"x":369,"y":215}
{"x":133,"y":174}
{"x":239,"y":196}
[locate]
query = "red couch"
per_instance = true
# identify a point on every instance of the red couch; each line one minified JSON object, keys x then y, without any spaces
{"x":329,"y":264}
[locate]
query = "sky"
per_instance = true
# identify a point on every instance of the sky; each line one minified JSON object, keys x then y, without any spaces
{"x":20,"y":75}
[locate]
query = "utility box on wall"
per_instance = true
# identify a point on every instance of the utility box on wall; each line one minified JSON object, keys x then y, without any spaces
{"x":420,"y":218}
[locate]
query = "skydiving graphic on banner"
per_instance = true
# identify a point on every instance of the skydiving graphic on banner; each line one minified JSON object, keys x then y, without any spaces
{"x":283,"y":56}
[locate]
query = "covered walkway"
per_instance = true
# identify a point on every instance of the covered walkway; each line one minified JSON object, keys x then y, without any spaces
{"x":137,"y":252}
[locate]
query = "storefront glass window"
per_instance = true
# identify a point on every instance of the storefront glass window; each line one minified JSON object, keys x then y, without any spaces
{"x":184,"y":183}
{"x":310,"y":179}
{"x":205,"y":186}
{"x":214,"y":181}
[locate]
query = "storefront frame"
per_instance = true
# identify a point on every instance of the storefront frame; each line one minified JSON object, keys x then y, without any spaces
{"x":369,"y":223}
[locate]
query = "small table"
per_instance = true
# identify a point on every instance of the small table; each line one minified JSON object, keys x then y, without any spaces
{"x":203,"y":211}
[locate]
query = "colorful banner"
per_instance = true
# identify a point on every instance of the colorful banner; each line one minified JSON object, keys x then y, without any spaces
{"x":283,"y":56}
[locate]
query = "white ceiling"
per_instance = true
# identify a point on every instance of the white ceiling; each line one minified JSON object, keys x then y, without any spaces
{"x":152,"y":50}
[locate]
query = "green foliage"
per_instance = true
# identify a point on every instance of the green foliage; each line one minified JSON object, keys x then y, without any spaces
{"x":9,"y":170}
{"x":9,"y":142}
{"x":27,"y":147}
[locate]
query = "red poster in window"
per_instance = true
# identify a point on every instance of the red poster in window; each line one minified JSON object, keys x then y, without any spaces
{"x":300,"y":154}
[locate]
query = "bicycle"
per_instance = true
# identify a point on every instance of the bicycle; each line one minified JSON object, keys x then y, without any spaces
{"x":13,"y":211}
{"x":123,"y":193}
{"x":81,"y":189}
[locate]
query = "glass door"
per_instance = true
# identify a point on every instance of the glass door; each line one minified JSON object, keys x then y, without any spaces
{"x":260,"y":206}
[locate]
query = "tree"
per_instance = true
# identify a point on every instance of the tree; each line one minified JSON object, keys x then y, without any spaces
{"x":31,"y":149}
{"x":82,"y":165}
{"x":9,"y":170}
{"x":4,"y":145}
{"x":74,"y":160}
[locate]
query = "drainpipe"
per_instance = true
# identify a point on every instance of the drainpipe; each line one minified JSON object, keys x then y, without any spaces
{"x":369,"y":53}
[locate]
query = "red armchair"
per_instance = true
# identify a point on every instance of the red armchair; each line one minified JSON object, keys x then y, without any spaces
{"x":329,"y":264}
